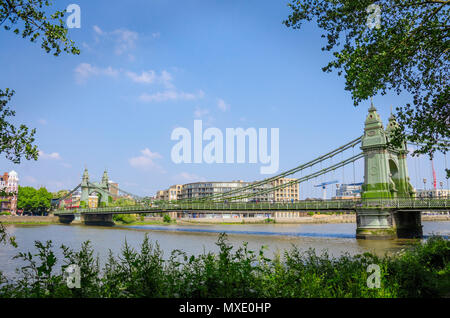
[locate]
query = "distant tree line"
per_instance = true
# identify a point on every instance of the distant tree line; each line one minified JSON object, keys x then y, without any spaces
{"x":36,"y":202}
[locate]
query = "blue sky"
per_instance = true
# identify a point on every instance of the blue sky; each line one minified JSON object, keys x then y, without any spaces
{"x":147,"y":67}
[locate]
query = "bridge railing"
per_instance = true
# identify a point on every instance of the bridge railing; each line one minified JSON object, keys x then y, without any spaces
{"x":311,"y":205}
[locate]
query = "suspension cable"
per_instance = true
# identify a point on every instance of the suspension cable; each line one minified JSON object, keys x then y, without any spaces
{"x":284,"y":174}
{"x":305,"y":178}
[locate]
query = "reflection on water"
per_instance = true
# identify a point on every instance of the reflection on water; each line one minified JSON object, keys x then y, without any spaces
{"x":336,"y":239}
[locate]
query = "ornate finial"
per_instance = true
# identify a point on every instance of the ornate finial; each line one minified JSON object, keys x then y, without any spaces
{"x":372,"y":107}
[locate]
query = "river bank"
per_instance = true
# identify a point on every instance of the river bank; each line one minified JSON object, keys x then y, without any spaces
{"x":149,"y":220}
{"x":13,"y":219}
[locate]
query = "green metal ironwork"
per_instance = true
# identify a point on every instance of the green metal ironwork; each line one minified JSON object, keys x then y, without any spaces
{"x":305,"y":205}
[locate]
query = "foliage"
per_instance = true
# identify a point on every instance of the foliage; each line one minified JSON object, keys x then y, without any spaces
{"x":59,"y":194}
{"x":15,"y":142}
{"x":5,"y":238}
{"x":121,"y":202}
{"x":422,"y":271}
{"x":5,"y":213}
{"x":124,"y":218}
{"x":27,"y":18}
{"x":408,"y":52}
{"x":166,"y":218}
{"x":31,"y":200}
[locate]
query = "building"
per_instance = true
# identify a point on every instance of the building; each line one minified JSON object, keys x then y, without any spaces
{"x":171,"y":194}
{"x":287,"y":194}
{"x":348,"y":191}
{"x":433,"y":193}
{"x":113,"y":189}
{"x":198,"y":190}
{"x":73,"y":201}
{"x":9,"y":183}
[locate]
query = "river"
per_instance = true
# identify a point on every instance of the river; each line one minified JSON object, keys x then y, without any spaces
{"x":337,"y":239}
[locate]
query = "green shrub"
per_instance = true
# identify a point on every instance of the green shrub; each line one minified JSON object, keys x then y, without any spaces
{"x":5,"y":213}
{"x":421,"y":271}
{"x":166,"y":218}
{"x":124,"y":218}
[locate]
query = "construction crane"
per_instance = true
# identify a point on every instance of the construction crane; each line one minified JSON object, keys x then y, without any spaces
{"x":434,"y":174}
{"x":324,"y":187}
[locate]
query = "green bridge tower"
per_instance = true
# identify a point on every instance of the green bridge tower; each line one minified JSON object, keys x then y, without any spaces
{"x":385,"y":177}
{"x":88,"y":188}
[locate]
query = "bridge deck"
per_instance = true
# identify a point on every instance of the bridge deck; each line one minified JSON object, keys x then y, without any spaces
{"x":326,"y":205}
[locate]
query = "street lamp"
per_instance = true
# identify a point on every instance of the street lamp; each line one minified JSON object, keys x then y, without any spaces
{"x":424,"y":187}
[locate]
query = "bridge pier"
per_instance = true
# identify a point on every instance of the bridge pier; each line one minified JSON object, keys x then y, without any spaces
{"x":66,"y":219}
{"x":98,"y":219}
{"x":375,"y":224}
{"x":385,"y":224}
{"x":408,"y":224}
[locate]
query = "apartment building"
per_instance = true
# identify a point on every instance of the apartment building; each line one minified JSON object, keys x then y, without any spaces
{"x":9,"y":183}
{"x":286,"y":194}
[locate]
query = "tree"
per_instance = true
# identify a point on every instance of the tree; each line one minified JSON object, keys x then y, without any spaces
{"x":59,"y":194}
{"x":27,"y":18}
{"x":35,"y":201}
{"x":406,"y":49}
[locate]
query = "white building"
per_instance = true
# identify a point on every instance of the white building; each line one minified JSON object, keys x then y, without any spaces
{"x":433,"y":193}
{"x":9,"y":183}
{"x":348,"y":191}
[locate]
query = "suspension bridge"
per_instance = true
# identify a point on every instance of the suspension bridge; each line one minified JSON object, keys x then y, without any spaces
{"x":388,"y":206}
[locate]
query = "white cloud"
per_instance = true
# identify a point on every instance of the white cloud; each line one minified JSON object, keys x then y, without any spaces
{"x":199,"y":112}
{"x":42,"y":121}
{"x":170,"y":95}
{"x":50,"y":156}
{"x":156,"y":35}
{"x":166,"y":79}
{"x":85,"y":70}
{"x":148,"y":77}
{"x":185,"y":177}
{"x":222,"y":105}
{"x":125,"y":40}
{"x":98,"y":30}
{"x":66,"y":165}
{"x":146,"y":161}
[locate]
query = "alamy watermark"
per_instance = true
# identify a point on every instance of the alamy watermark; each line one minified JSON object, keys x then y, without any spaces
{"x":73,"y":276}
{"x":213,"y":152}
{"x":73,"y":21}
{"x":374,"y":17}
{"x":374,"y":279}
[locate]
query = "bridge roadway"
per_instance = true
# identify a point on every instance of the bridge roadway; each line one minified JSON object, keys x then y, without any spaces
{"x":413,"y":204}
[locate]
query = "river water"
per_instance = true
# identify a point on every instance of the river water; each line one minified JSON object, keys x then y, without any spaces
{"x":336,"y":239}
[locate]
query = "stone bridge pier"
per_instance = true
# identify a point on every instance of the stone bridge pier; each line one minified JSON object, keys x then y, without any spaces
{"x":66,"y":219}
{"x":388,"y":224}
{"x":98,"y":219}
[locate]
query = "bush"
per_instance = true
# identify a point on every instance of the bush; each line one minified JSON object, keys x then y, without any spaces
{"x":5,"y":213}
{"x":124,"y":218}
{"x":422,"y":271}
{"x":166,"y":218}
